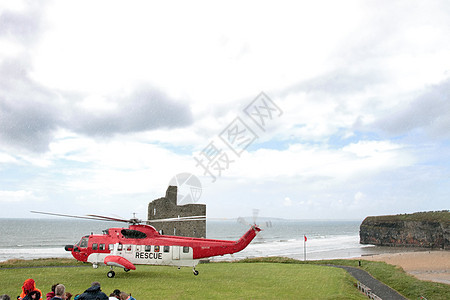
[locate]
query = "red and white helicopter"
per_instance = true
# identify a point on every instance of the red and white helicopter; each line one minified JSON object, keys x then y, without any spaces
{"x":143,"y":245}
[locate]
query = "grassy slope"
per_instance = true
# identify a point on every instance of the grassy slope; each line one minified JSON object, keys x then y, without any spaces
{"x":216,"y":281}
{"x":432,"y":216}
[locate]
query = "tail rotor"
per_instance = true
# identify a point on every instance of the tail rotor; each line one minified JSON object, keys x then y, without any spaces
{"x":255,"y":224}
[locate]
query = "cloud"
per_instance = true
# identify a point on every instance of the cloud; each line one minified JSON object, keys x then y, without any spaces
{"x":22,"y":26}
{"x":359,"y":196}
{"x":340,"y":81}
{"x":27,"y":110}
{"x":145,"y":108}
{"x":74,"y":94}
{"x":333,"y":105}
{"x":5,"y":158}
{"x":30,"y":113}
{"x":287,"y":202}
{"x":16,"y":196}
{"x":112,"y":166}
{"x":315,"y":165}
{"x":428,"y":112}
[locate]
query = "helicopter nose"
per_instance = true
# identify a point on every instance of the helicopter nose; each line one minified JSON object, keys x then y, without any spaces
{"x":68,"y":247}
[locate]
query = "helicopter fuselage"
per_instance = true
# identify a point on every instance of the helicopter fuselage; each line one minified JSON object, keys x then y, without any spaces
{"x":143,"y":245}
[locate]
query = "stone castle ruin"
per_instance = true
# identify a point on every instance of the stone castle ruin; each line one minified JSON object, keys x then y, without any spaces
{"x":167,"y":207}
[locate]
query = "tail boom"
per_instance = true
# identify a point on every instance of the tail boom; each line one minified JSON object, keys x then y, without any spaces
{"x":226,"y":247}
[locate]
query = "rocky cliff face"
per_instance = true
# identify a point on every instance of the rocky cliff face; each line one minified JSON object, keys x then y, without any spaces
{"x":420,"y":230}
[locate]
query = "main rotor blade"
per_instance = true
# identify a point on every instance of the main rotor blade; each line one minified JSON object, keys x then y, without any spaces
{"x":109,"y":218}
{"x":69,"y":216}
{"x":180,"y":219}
{"x":133,"y":221}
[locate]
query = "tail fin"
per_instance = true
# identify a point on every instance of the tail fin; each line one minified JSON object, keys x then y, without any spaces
{"x":246,"y":238}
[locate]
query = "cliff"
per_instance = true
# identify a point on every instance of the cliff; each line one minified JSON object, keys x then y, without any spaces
{"x":423,"y":229}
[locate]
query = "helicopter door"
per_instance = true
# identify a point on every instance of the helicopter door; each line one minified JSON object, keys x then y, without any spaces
{"x":176,"y":252}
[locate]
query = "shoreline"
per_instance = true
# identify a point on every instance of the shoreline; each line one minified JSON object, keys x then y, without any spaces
{"x":428,"y":265}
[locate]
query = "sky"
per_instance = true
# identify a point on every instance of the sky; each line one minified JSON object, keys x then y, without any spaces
{"x":300,"y":109}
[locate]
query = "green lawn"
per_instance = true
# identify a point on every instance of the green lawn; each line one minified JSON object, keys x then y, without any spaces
{"x":215,"y":281}
{"x":396,"y":278}
{"x":393,"y":276}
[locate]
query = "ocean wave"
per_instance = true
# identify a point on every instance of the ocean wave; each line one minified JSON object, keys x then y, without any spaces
{"x":32,"y":253}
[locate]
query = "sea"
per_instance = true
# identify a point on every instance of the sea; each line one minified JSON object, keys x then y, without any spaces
{"x":46,"y":238}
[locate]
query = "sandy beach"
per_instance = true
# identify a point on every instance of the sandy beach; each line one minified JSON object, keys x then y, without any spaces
{"x":425,"y":265}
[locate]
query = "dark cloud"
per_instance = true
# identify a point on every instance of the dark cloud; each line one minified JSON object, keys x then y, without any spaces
{"x":30,"y":113}
{"x":428,"y":113}
{"x":23,"y":26}
{"x":144,"y":109}
{"x":339,"y":82}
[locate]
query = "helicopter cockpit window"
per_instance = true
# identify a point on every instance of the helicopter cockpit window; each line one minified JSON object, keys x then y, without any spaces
{"x":83,"y":242}
{"x":133,"y":234}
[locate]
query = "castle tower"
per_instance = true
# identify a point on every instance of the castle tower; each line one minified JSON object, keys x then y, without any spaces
{"x":166,"y":207}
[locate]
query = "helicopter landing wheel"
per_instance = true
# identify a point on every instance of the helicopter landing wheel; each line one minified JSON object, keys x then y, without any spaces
{"x":195,"y":272}
{"x":111,"y":274}
{"x":126,"y":270}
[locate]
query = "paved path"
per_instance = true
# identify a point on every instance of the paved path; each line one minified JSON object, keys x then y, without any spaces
{"x":378,"y":288}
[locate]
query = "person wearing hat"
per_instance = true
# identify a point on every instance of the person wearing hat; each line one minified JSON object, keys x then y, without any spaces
{"x":29,"y":290}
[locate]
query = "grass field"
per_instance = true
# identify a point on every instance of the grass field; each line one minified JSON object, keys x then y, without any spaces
{"x":215,"y":281}
{"x":261,"y":278}
{"x":396,"y":278}
{"x":393,"y":276}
